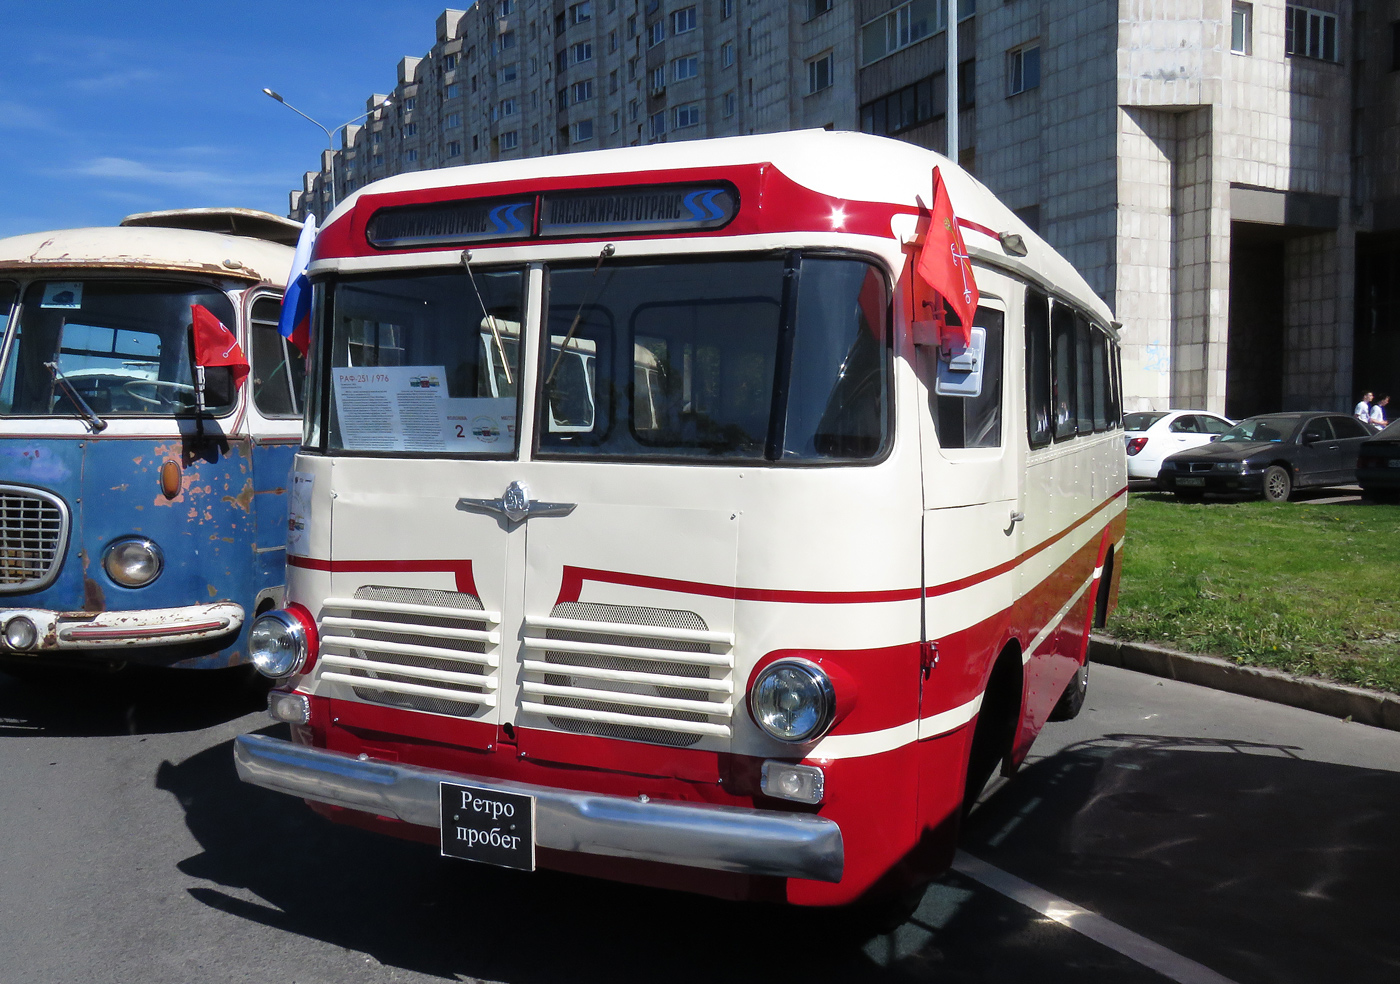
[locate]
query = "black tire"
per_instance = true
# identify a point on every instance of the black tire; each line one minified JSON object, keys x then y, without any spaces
{"x":1071,"y":702}
{"x":1278,"y":484}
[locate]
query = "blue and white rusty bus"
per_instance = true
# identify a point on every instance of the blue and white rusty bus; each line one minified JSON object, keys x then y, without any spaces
{"x":143,"y":500}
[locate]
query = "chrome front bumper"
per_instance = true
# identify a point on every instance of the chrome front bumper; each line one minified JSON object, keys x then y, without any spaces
{"x":82,"y":631}
{"x":724,"y":838}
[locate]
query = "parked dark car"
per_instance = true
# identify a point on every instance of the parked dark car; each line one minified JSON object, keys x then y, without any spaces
{"x":1378,"y":465}
{"x":1269,"y":455}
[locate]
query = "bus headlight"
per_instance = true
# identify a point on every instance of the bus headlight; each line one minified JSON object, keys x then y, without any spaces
{"x":278,"y":644}
{"x":133,"y":561}
{"x":21,"y":634}
{"x":793,"y":701}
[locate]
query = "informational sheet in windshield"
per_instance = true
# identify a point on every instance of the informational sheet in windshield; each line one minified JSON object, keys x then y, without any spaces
{"x":406,"y":408}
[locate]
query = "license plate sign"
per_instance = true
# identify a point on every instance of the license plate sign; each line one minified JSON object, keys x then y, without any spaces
{"x":1190,"y":481}
{"x":1394,"y":462}
{"x":488,"y":825}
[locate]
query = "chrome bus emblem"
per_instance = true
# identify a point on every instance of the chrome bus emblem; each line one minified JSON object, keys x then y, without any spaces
{"x":516,"y":505}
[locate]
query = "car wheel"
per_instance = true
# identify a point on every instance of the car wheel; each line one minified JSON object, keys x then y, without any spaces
{"x":1278,"y":484}
{"x":1072,"y":700}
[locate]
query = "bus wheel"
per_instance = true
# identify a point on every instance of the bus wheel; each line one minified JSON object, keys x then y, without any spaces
{"x":1072,"y":700}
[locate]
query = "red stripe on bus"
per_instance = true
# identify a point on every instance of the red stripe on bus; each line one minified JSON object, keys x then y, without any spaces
{"x":461,"y":569}
{"x":978,"y":227}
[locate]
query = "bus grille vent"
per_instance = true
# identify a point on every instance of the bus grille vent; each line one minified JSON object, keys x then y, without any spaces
{"x":641,"y":674}
{"x":33,"y":535}
{"x":423,"y":650}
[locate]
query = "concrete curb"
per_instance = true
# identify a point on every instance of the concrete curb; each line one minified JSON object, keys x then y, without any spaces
{"x":1371,"y":707}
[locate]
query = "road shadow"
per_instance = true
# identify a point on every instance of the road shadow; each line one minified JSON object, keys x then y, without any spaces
{"x":1244,"y":857}
{"x":138,"y":700}
{"x":411,"y":909}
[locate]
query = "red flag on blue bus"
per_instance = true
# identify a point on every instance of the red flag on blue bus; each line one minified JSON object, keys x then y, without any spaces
{"x":215,"y":345}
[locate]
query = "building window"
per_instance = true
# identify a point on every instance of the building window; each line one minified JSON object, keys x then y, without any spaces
{"x":507,"y":107}
{"x":1395,"y":46}
{"x":632,"y":26}
{"x":658,"y":79}
{"x":449,"y":62}
{"x":617,"y":122}
{"x":1023,"y":69}
{"x":561,"y":60}
{"x":819,"y":73}
{"x":685,"y":68}
{"x":454,"y":120}
{"x":726,"y":9}
{"x":1310,"y":33}
{"x":454,"y":148}
{"x":1242,"y":28}
{"x":632,"y":109}
{"x":688,"y":115}
{"x":409,"y":103}
{"x":583,"y":91}
{"x":453,"y":90}
{"x":612,"y":41}
{"x":504,"y":8}
{"x":509,"y":73}
{"x":506,"y":41}
{"x":476,"y":142}
{"x":583,"y":130}
{"x":511,"y":140}
{"x":815,"y":8}
{"x":563,"y":98}
{"x":683,"y":20}
{"x":376,"y":137}
{"x":656,"y":33}
{"x":410,"y":129}
{"x":378,"y":160}
{"x":410,"y":156}
{"x":726,"y":54}
{"x":907,"y":24}
{"x":903,"y":109}
{"x":581,"y":12}
{"x":729,"y":104}
{"x":967,"y":84}
{"x":582,"y":52}
{"x":612,"y":81}
{"x":657,"y":125}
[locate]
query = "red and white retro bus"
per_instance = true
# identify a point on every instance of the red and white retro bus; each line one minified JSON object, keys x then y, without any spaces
{"x":646,"y":526}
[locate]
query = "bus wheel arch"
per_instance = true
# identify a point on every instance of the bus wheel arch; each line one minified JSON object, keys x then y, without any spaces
{"x":997,"y":723}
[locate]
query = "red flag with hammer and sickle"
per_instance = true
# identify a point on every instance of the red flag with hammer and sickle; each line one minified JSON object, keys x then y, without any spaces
{"x":943,"y":261}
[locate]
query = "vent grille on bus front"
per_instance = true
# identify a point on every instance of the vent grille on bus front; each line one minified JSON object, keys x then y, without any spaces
{"x":424,"y":650}
{"x":640,"y":674}
{"x":33,"y":535}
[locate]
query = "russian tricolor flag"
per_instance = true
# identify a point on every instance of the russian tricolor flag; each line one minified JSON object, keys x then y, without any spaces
{"x":294,"y":323}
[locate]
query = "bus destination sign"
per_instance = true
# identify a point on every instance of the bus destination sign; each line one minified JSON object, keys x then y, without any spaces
{"x":618,"y":211}
{"x":452,"y":223}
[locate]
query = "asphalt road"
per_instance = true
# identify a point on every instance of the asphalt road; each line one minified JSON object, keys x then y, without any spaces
{"x":1249,"y":842}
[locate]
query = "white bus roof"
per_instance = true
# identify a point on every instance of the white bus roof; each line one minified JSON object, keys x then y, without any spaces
{"x":147,"y":249}
{"x":841,"y":165}
{"x":250,"y":222}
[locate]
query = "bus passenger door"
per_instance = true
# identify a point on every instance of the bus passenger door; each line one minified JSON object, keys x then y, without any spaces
{"x":971,"y":498}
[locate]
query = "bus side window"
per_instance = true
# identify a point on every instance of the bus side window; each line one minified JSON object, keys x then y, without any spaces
{"x":1084,"y":374}
{"x":279,"y":370}
{"x":1099,"y":353}
{"x":1062,"y":382}
{"x":1038,"y":405}
{"x":974,"y":421}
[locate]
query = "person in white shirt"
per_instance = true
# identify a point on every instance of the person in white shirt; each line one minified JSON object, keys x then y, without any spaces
{"x":1363,"y":409}
{"x":1378,"y":411}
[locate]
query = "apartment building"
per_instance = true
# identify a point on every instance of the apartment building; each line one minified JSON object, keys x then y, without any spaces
{"x":1226,"y":174}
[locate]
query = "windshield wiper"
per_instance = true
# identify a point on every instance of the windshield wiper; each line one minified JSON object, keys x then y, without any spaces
{"x":490,"y":318}
{"x":607,"y":251}
{"x":97,"y":424}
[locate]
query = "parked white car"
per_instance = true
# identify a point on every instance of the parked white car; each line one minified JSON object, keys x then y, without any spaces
{"x":1152,"y":435}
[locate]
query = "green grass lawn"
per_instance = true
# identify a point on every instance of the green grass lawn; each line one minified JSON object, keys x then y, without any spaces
{"x":1310,"y":589}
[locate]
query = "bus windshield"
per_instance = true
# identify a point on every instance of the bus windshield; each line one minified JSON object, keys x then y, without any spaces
{"x":122,"y":346}
{"x":676,"y":359}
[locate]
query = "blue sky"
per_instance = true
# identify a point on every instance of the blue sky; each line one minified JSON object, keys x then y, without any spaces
{"x":109,"y":108}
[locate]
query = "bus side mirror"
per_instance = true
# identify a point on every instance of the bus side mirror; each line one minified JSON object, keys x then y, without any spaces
{"x":960,"y":365}
{"x":214,"y":386}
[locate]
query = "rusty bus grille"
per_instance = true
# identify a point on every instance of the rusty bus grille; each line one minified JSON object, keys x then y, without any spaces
{"x":419,"y":649}
{"x":33,"y":535}
{"x":642,"y":674}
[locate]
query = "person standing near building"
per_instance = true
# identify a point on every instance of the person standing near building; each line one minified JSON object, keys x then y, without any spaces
{"x":1378,"y":411}
{"x":1363,"y":409}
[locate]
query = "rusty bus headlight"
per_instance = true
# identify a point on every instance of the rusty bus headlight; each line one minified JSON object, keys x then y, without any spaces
{"x":793,"y":701}
{"x":133,"y":561}
{"x":21,"y":634}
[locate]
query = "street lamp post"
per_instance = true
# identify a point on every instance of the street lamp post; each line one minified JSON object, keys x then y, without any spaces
{"x":330,"y":133}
